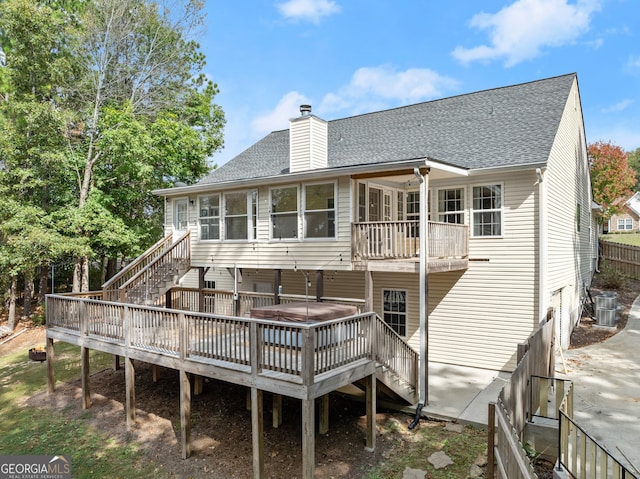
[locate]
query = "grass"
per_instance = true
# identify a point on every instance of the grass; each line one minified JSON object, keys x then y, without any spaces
{"x":632,"y":239}
{"x":463,"y":449}
{"x":31,"y":431}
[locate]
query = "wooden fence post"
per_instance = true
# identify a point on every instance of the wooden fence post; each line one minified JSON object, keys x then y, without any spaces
{"x":491,"y":441}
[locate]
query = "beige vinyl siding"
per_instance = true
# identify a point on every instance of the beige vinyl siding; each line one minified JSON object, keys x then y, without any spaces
{"x":477,"y":317}
{"x":265,"y":253}
{"x":570,"y":252}
{"x":308,"y":144}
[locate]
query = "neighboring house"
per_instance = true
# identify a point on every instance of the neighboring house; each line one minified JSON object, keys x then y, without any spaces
{"x":628,"y":219}
{"x":508,"y":201}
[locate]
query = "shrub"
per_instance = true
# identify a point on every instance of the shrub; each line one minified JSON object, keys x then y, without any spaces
{"x":611,"y":277}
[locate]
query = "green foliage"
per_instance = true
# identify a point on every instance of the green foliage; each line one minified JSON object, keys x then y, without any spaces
{"x":634,"y":163}
{"x":100,"y":103}
{"x":611,"y":277}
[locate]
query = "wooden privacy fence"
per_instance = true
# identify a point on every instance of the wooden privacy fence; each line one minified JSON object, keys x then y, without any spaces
{"x":507,"y":418}
{"x":625,"y":258}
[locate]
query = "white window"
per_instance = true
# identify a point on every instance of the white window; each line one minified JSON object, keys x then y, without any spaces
{"x":240,"y":212}
{"x":486,"y":212}
{"x":320,"y":210}
{"x":625,"y":224}
{"x":451,"y":205}
{"x":209,"y":216}
{"x":284,"y":213}
{"x":181,"y":214}
{"x":394,"y":306}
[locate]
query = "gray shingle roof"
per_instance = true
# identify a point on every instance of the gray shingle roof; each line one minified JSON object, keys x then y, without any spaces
{"x":513,"y":125}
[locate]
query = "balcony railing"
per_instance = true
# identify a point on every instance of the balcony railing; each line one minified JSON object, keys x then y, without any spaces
{"x":401,"y":240}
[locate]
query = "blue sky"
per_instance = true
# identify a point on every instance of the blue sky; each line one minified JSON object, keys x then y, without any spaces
{"x":346,"y":57}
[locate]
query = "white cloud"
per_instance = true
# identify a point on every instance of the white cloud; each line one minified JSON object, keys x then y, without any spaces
{"x":374,"y":88}
{"x":310,"y":10}
{"x":620,"y":106}
{"x":633,"y":65}
{"x":521,"y":30}
{"x":278,"y":119}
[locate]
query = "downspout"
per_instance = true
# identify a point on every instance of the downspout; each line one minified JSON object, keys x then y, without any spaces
{"x":542,"y":245}
{"x":423,"y":374}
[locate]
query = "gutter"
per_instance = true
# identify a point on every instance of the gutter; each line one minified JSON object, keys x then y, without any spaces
{"x":312,"y":175}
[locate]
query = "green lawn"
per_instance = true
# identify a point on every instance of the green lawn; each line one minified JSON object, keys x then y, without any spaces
{"x":632,"y":239}
{"x":32,"y":431}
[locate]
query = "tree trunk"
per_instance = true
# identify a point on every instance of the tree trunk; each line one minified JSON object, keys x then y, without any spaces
{"x":28,"y":294}
{"x":77,"y":274}
{"x":111,"y":268}
{"x":12,"y":303}
{"x":44,"y":284}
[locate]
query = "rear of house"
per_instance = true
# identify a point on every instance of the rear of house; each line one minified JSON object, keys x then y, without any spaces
{"x":498,"y":179}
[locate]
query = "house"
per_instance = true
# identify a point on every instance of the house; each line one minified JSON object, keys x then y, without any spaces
{"x":628,"y":219}
{"x":453,"y":226}
{"x":505,"y":169}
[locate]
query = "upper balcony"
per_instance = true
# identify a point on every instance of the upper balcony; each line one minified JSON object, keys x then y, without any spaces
{"x":395,"y":246}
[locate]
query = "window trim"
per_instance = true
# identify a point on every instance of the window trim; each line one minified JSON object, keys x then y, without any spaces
{"x":303,"y":210}
{"x":249,"y":194}
{"x":406,"y":312}
{"x":472,"y":210}
{"x":464,"y":209}
{"x":220,"y":218}
{"x":271,"y":214}
{"x":174,"y":222}
{"x":625,"y":222}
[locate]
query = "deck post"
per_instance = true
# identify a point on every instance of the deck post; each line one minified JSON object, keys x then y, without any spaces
{"x":277,"y":281}
{"x":323,"y":427}
{"x":368,"y":291}
{"x":130,"y":388}
{"x":202,"y":273}
{"x":319,"y":285}
{"x":51,"y":383}
{"x":257,"y":432}
{"x":198,"y":385}
{"x":308,"y":438}
{"x":85,"y":371}
{"x":155,"y":372}
{"x":116,"y":362}
{"x":185,"y":413}
{"x":276,"y":411}
{"x":371,"y":412}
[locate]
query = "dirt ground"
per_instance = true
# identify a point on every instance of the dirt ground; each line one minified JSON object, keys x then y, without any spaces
{"x":221,"y":423}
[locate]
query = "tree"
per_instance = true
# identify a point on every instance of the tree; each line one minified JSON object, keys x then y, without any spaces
{"x":634,"y":162}
{"x":138,"y":60}
{"x":611,"y":177}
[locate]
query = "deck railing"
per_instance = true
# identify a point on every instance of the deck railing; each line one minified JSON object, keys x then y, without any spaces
{"x":111,"y":287}
{"x":222,"y":302}
{"x":297,"y":349}
{"x":401,"y":240}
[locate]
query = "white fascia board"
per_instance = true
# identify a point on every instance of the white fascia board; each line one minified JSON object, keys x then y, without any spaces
{"x":310,"y":176}
{"x":506,"y":169}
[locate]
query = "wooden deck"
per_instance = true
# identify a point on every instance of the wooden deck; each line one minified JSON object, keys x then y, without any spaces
{"x":300,"y":360}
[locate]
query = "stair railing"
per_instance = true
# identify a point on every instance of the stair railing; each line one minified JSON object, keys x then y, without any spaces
{"x":110,"y":289}
{"x":174,"y":261}
{"x":393,"y":353}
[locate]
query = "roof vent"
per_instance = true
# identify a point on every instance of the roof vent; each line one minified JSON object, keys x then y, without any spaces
{"x":305,"y":110}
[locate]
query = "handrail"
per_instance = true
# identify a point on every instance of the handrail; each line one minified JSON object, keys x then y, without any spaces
{"x":132,"y":268}
{"x":144,"y":276}
{"x":395,"y":354}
